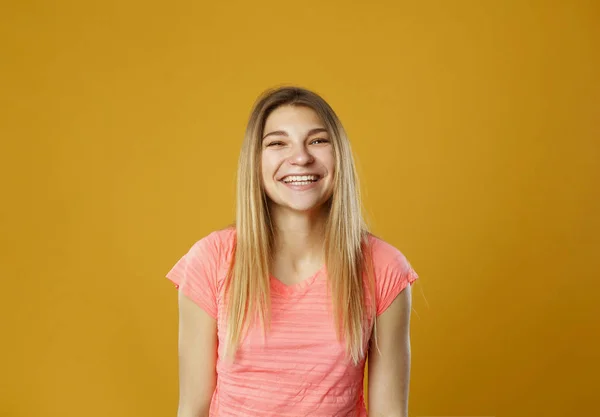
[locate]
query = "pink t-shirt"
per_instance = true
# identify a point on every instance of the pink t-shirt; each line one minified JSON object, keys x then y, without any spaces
{"x":301,"y":368}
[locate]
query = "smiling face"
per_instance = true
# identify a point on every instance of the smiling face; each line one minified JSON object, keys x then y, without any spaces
{"x":297,"y":159}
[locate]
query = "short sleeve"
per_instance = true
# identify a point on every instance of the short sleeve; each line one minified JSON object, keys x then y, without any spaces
{"x":195,"y":274}
{"x":392,"y":277}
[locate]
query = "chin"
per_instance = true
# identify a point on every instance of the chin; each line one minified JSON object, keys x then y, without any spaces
{"x":303,"y":207}
{"x":306,"y":204}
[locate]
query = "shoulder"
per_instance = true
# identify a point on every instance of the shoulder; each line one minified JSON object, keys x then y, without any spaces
{"x":392,"y":272}
{"x":214,"y":252}
{"x":385,"y":255}
{"x":217,"y":245}
{"x":201,"y":272}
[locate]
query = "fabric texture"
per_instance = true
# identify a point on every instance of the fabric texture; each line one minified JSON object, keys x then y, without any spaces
{"x":301,"y":368}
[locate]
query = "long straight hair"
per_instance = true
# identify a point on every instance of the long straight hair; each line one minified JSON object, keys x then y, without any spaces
{"x":347,"y":258}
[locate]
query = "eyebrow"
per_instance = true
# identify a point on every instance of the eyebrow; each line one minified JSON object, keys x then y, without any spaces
{"x":284,"y":133}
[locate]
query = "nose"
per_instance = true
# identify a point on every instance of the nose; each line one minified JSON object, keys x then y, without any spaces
{"x":300,"y":156}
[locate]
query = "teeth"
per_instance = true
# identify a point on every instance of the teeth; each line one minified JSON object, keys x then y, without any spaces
{"x":301,"y":178}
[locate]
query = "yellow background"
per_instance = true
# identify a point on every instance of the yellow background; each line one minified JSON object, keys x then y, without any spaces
{"x":475,"y":126}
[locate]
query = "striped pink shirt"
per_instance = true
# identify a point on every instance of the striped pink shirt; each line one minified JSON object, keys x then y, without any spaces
{"x":301,"y":368}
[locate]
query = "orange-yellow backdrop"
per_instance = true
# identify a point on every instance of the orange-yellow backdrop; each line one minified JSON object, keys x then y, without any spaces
{"x":475,"y":126}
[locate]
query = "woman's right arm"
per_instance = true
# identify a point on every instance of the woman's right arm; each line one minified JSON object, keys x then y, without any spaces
{"x":197,"y":358}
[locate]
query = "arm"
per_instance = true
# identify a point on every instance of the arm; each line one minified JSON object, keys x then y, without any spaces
{"x":197,"y":359}
{"x":389,"y":368}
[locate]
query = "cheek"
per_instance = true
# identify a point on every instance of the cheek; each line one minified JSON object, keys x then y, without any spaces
{"x":329,"y":162}
{"x":330,"y":166}
{"x":267,"y":168}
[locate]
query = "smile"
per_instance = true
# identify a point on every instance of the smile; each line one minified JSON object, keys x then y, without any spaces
{"x":300,"y":182}
{"x":300,"y":179}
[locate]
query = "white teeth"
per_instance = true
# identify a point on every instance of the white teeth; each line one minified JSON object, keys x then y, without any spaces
{"x":301,"y":178}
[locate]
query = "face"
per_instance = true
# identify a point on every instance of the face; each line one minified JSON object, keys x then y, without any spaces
{"x":297,"y":159}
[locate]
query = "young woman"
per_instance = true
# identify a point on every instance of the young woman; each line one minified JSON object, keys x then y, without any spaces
{"x":278,"y":313}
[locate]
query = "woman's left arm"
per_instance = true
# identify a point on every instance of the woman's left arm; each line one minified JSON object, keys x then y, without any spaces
{"x":389,"y":366}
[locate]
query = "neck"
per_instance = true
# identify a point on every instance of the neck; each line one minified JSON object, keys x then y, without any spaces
{"x":299,"y":236}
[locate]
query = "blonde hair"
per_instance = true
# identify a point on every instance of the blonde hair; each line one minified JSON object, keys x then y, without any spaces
{"x":346,"y":235}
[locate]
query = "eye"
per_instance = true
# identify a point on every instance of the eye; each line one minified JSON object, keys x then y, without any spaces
{"x":319,"y":141}
{"x":275,"y":143}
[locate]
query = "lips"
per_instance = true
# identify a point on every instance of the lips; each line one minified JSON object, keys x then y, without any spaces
{"x":289,"y":178}
{"x":300,"y":179}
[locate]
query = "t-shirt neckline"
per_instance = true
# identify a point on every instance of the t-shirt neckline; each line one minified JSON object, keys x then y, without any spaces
{"x":286,"y":289}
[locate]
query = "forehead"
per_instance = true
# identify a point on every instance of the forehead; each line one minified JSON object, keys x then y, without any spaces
{"x":289,"y":116}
